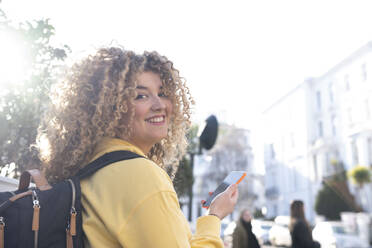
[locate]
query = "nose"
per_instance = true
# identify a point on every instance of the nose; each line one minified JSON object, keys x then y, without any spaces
{"x":158,"y":104}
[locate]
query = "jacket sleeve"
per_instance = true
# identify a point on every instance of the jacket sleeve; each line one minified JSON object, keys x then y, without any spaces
{"x":159,"y":223}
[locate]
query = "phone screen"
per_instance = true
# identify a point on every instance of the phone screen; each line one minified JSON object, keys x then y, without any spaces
{"x":233,"y":177}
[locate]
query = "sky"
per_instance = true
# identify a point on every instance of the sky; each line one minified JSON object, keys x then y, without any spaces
{"x":238,"y":57}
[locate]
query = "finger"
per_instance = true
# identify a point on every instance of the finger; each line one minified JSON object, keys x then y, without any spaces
{"x":235,"y":196}
{"x":236,"y":191}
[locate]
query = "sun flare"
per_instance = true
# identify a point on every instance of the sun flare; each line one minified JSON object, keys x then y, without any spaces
{"x":13,"y":59}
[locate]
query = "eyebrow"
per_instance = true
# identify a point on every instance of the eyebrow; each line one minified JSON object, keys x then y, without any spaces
{"x":140,"y":87}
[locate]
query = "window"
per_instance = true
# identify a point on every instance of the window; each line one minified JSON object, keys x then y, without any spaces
{"x":326,"y":162}
{"x":272,"y":151}
{"x":333,"y":123}
{"x":318,"y":100}
{"x":369,"y":150}
{"x":364,"y":72}
{"x":320,"y":129}
{"x":275,"y":210}
{"x":331,"y":92}
{"x":354,"y":153}
{"x":347,"y":82}
{"x":315,"y":162}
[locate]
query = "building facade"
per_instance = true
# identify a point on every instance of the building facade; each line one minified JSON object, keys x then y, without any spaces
{"x":321,"y":127}
{"x":288,"y":174}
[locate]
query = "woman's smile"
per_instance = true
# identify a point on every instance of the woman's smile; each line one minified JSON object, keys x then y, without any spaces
{"x":157,"y":120}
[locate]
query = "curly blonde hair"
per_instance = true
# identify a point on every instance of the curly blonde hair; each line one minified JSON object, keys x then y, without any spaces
{"x":96,"y":100}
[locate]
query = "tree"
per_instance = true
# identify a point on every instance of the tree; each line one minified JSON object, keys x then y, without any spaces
{"x":335,"y":196}
{"x":22,"y":103}
{"x":257,"y":214}
{"x":184,"y":177}
{"x":330,"y":204}
{"x":360,"y":175}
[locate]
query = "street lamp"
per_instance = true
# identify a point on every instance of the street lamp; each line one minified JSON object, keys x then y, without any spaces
{"x":207,"y":138}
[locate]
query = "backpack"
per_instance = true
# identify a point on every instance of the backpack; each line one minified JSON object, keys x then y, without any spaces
{"x":48,"y":216}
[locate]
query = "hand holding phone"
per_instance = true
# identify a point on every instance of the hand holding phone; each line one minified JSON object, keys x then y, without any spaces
{"x":234,"y":177}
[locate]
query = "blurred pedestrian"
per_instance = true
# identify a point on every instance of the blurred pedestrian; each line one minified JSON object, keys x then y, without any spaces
{"x":243,"y":237}
{"x":119,"y":100}
{"x":299,"y":227}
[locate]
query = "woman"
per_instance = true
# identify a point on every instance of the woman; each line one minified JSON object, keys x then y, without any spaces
{"x":243,"y":237}
{"x":119,"y":100}
{"x":299,"y":228}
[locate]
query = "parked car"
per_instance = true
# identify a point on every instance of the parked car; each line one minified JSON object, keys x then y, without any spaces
{"x":261,"y":229}
{"x":279,"y":234}
{"x":227,"y":234}
{"x":333,"y":234}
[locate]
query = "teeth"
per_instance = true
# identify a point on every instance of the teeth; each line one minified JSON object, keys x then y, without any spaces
{"x":156,"y":119}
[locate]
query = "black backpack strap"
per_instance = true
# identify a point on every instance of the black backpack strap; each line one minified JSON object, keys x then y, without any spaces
{"x":105,"y":160}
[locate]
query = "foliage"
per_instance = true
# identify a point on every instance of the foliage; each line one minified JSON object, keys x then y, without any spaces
{"x":184,"y":177}
{"x":257,"y":214}
{"x":22,"y":103}
{"x":360,"y":175}
{"x":330,"y":204}
{"x":193,"y":139}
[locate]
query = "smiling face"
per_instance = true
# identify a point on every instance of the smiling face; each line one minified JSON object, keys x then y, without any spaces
{"x":152,"y":112}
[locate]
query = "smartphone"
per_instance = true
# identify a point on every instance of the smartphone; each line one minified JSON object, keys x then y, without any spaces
{"x":233,"y":177}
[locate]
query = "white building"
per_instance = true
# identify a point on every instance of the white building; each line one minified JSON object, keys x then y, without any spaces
{"x":322,"y":121}
{"x":288,"y":169}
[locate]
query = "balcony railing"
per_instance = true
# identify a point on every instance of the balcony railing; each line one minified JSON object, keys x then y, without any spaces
{"x":272,"y":192}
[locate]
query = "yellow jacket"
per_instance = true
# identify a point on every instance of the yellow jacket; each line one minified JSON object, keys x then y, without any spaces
{"x":132,"y":204}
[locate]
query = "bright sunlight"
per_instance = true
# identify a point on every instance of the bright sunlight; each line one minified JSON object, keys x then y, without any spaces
{"x":13,"y":59}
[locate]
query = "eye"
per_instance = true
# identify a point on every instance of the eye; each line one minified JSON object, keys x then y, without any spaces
{"x":162,"y":94}
{"x":140,"y":96}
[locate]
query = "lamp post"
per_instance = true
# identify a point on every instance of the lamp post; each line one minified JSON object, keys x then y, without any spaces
{"x":207,"y":138}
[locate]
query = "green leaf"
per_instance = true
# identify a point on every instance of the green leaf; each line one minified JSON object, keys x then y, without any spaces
{"x":22,"y":104}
